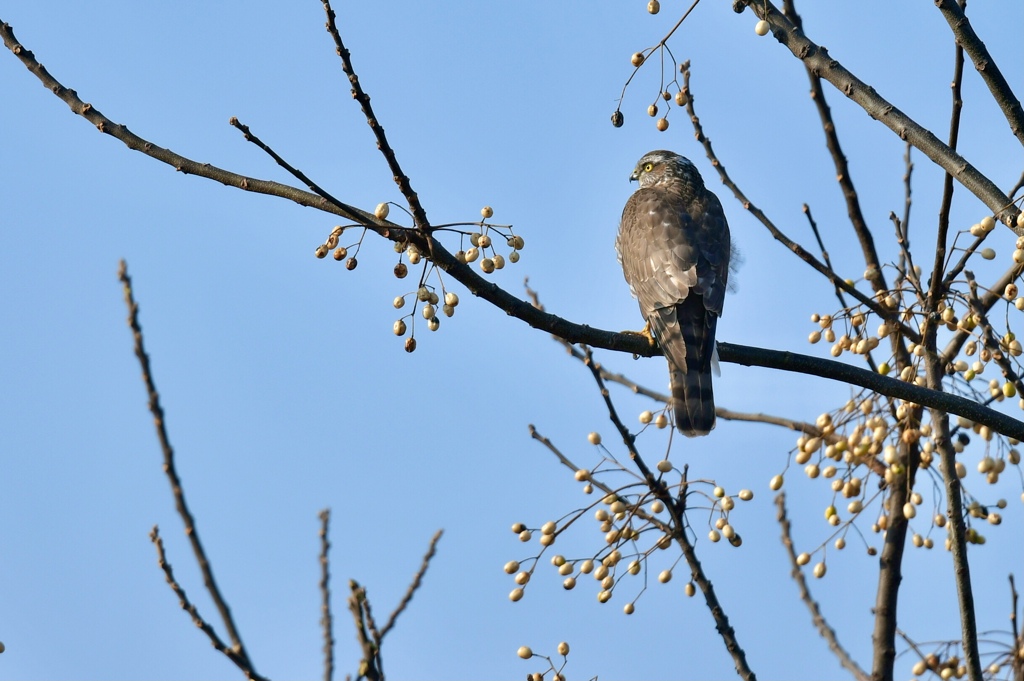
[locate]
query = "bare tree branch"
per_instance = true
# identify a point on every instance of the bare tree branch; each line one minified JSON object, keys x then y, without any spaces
{"x":401,"y":179}
{"x":820,"y":623}
{"x":238,"y":653}
{"x":937,"y":289}
{"x":955,"y":513}
{"x":414,"y":585}
{"x":326,"y":621}
{"x":853,"y":209}
{"x":817,"y":59}
{"x":985,"y":64}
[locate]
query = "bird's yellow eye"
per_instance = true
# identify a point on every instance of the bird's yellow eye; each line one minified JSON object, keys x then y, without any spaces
{"x":648,"y":167}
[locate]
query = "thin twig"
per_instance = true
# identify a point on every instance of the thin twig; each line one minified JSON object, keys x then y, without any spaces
{"x":822,"y":625}
{"x":296,"y":173}
{"x":853,"y":209}
{"x":191,"y":609}
{"x":414,"y":585}
{"x":370,"y":665}
{"x":326,"y":621}
{"x":239,"y":655}
{"x":419,"y":216}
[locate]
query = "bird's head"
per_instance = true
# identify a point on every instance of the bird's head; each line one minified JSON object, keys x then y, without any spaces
{"x":663,"y":167}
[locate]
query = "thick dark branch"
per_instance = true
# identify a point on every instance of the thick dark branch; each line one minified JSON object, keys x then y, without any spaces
{"x":419,"y":216}
{"x":239,"y":655}
{"x":890,"y":565}
{"x":844,"y":373}
{"x":820,"y":623}
{"x":817,"y":59}
{"x":987,"y":68}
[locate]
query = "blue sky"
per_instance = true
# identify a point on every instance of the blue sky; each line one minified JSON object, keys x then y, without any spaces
{"x":286,"y":391}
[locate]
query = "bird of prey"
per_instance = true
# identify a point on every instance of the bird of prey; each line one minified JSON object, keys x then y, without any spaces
{"x":674,"y":248}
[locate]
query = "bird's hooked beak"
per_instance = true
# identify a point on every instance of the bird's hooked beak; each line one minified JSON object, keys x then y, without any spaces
{"x":635,"y":176}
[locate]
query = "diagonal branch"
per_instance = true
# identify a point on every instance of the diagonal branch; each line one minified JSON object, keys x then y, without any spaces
{"x":820,"y":623}
{"x":419,"y":216}
{"x":987,"y":67}
{"x":413,"y":586}
{"x":238,"y":653}
{"x":817,"y":59}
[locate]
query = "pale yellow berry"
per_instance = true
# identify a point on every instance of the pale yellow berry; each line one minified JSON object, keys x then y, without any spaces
{"x":525,"y":536}
{"x":563,"y":648}
{"x":714,"y":536}
{"x":988,"y":223}
{"x":654,"y":6}
{"x":803,"y":559}
{"x":661,"y":421}
{"x":513,"y":257}
{"x":400,"y":328}
{"x":525,"y":652}
{"x":814,"y":337}
{"x":515,"y":595}
{"x":652,"y":110}
{"x":487,"y":265}
{"x":548,"y":528}
{"x":762,"y":27}
{"x":819,"y":570}
{"x":582,"y":475}
{"x":604,"y":596}
{"x":499,"y":261}
{"x":662,"y":124}
{"x":657,"y":506}
{"x":665,"y":576}
{"x":487,"y":212}
{"x":988,"y":253}
{"x":472,"y":254}
{"x":840,"y":544}
{"x":381,"y":211}
{"x":646,"y":417}
{"x":637,"y":59}
{"x":569,"y":583}
{"x":718,"y":492}
{"x":775,"y":483}
{"x":664,"y":466}
{"x":522,"y":578}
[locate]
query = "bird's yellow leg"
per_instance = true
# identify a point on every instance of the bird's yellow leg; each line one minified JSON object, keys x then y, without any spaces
{"x":646,"y":333}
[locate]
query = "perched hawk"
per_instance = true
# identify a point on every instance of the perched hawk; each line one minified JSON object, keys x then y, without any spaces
{"x":674,"y":248}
